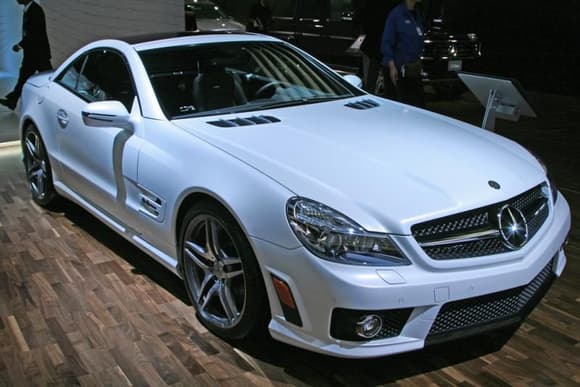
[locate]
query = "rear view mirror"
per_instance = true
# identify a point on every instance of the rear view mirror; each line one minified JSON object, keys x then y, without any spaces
{"x":353,"y":80}
{"x":106,"y":114}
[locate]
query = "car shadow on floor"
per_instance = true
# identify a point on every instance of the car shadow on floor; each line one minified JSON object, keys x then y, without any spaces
{"x":316,"y":369}
{"x":279,"y":361}
{"x":142,"y":264}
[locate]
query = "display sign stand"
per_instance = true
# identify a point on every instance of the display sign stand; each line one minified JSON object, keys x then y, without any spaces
{"x":502,"y":98}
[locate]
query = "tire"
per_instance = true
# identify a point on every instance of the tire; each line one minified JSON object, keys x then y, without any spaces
{"x":221,"y":273}
{"x":37,"y":167}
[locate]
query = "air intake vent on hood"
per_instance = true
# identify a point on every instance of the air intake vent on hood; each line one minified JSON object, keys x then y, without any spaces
{"x":247,"y":121}
{"x":363,"y":104}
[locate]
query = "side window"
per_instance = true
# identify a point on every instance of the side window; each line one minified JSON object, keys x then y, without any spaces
{"x":313,"y":9}
{"x":284,"y":8}
{"x":69,"y":77}
{"x":105,"y":77}
{"x":341,"y":10}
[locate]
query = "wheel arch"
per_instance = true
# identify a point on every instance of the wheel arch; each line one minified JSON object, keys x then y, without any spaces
{"x":188,"y":200}
{"x":24,"y":122}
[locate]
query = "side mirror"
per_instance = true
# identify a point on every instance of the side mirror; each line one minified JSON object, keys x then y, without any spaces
{"x":107,"y":114}
{"x":353,"y":80}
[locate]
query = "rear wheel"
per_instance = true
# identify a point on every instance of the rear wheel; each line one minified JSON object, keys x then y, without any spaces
{"x":37,"y":166}
{"x":221,"y":273}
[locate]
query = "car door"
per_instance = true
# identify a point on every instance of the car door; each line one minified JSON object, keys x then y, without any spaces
{"x":342,"y":32}
{"x":311,"y":24}
{"x":93,"y":159}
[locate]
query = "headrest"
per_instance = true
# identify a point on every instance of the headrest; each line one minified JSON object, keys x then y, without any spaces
{"x":214,"y":64}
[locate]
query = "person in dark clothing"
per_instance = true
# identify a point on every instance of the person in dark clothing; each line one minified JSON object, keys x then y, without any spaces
{"x":402,"y":46}
{"x":373,"y":16}
{"x":260,"y":18}
{"x":35,"y":47}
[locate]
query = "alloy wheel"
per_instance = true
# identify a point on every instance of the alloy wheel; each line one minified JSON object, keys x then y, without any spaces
{"x":36,"y":165}
{"x":214,"y":271}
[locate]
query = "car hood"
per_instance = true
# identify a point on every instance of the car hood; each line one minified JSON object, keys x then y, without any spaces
{"x":217,"y":25}
{"x":387,"y":167}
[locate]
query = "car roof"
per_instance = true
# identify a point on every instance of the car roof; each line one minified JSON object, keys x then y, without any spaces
{"x":183,"y":38}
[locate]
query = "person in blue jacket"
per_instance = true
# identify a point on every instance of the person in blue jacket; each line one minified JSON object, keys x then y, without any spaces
{"x":401,"y":46}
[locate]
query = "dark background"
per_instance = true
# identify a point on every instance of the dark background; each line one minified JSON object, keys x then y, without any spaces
{"x":536,"y":42}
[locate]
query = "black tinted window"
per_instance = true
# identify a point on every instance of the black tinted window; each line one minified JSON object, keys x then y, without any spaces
{"x":70,"y":76}
{"x":106,"y":77}
{"x":234,"y":77}
{"x":341,"y":10}
{"x":284,"y":8}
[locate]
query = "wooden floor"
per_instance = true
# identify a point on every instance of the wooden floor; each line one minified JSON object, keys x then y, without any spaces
{"x":79,"y":305}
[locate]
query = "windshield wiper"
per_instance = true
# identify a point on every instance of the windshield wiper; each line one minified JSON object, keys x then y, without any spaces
{"x":301,"y":101}
{"x":267,"y":105}
{"x":217,"y":112}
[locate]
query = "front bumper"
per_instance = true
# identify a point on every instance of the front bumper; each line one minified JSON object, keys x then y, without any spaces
{"x":319,"y":287}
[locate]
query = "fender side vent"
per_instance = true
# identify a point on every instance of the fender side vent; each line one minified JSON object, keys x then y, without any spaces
{"x":246,"y":121}
{"x":363,"y":104}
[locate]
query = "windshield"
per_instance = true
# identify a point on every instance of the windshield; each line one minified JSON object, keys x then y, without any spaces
{"x":234,"y":77}
{"x":205,"y":10}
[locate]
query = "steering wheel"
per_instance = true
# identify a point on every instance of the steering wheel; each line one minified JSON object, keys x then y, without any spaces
{"x":270,"y":85}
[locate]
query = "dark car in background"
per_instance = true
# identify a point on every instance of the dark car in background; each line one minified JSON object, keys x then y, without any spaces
{"x":205,"y":15}
{"x":327,"y":29}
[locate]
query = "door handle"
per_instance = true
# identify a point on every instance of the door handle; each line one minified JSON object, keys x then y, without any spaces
{"x":62,"y":118}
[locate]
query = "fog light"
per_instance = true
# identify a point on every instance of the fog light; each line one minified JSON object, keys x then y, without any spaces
{"x":369,"y":326}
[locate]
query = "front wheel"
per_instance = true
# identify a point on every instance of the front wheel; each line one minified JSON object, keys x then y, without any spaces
{"x":37,"y":166}
{"x":221,"y":273}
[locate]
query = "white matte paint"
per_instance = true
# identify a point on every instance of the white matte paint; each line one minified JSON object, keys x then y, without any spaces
{"x":386,"y":168}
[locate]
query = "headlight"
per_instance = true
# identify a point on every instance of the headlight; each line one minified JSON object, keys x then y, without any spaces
{"x":334,"y":237}
{"x":553,"y":188}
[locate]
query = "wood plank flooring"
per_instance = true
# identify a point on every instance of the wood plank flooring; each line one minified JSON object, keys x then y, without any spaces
{"x":81,"y":306}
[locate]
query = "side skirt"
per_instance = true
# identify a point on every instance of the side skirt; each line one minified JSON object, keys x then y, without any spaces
{"x":129,"y":234}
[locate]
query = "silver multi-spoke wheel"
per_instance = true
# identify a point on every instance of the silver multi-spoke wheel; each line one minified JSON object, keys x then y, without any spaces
{"x":221,"y":272}
{"x":37,"y":167}
{"x":214,"y":271}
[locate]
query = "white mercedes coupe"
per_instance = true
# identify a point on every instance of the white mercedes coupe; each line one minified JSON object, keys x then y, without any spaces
{"x":288,"y":199}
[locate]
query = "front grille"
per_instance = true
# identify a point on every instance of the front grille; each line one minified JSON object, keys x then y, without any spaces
{"x":444,"y":49}
{"x":451,"y":237}
{"x":490,"y":308}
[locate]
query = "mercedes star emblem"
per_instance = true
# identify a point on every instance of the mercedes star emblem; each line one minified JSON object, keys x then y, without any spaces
{"x":512,"y":227}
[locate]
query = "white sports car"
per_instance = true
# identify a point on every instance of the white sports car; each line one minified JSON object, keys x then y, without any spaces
{"x":287,"y":198}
